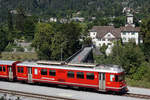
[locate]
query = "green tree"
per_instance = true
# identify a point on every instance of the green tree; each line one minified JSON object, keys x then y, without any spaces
{"x":145,"y":32}
{"x":20,"y":19}
{"x":130,"y":57}
{"x":3,"y":39}
{"x":142,"y":72}
{"x":119,"y":21}
{"x":103,"y":49}
{"x":10,"y":21}
{"x":29,"y":27}
{"x":43,"y":40}
{"x":58,"y":46}
{"x":56,"y":40}
{"x":87,"y":41}
{"x":71,"y":33}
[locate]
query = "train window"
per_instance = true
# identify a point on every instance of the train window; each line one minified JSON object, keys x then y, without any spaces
{"x":80,"y":75}
{"x":43,"y":71}
{"x":70,"y":74}
{"x":4,"y":69}
{"x":35,"y":71}
{"x":111,"y":78}
{"x":18,"y":69}
{"x":0,"y":68}
{"x":116,"y":78}
{"x":21,"y":70}
{"x":121,"y":77}
{"x":52,"y":72}
{"x":90,"y":76}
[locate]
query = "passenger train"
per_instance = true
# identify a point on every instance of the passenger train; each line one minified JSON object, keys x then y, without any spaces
{"x":99,"y":77}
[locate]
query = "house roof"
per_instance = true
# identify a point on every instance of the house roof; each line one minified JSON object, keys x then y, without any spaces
{"x":103,"y":30}
{"x":130,"y":28}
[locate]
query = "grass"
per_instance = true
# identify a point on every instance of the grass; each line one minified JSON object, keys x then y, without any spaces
{"x":21,"y":56}
{"x":140,"y":83}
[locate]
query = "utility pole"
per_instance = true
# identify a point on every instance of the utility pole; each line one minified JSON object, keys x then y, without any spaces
{"x":61,"y":50}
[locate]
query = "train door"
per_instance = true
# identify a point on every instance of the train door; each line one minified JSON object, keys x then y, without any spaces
{"x":29,"y":74}
{"x":102,"y":81}
{"x":10,"y":72}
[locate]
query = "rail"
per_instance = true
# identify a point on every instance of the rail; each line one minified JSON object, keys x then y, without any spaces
{"x":141,"y":96}
{"x":33,"y":95}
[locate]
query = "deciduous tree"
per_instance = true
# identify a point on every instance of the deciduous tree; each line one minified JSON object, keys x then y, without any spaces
{"x":145,"y":32}
{"x":3,"y":39}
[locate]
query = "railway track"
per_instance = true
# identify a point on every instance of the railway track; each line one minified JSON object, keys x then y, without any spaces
{"x":47,"y":97}
{"x":33,"y":95}
{"x":141,"y":96}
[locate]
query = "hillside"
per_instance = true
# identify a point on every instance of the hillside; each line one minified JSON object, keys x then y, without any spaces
{"x":63,"y":8}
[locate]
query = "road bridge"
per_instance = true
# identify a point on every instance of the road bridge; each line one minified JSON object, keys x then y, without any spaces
{"x":85,"y":55}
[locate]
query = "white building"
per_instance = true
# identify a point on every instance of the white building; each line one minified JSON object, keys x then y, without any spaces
{"x":104,"y":35}
{"x":130,"y":32}
{"x":53,"y":19}
{"x":108,"y":34}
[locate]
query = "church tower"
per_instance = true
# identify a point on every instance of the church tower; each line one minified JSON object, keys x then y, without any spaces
{"x":129,"y":20}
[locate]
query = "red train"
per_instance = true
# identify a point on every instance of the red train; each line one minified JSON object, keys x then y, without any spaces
{"x":99,"y":77}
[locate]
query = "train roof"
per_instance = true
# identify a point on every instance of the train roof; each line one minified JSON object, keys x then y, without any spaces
{"x":6,"y":62}
{"x":98,"y":68}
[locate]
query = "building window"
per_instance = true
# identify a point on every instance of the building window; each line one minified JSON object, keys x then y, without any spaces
{"x":80,"y":75}
{"x":70,"y":74}
{"x":90,"y":76}
{"x":109,"y":43}
{"x":103,"y":39}
{"x":124,"y":38}
{"x":133,"y":33}
{"x":124,"y":33}
{"x":52,"y":72}
{"x":43,"y":71}
{"x":109,"y":39}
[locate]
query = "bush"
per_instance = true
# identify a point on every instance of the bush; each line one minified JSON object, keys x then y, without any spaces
{"x":141,"y":71}
{"x":9,"y":47}
{"x":146,"y":76}
{"x":29,"y":48}
{"x":20,"y":49}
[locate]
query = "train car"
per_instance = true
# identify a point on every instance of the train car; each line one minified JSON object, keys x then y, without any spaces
{"x":100,"y":77}
{"x":7,"y":69}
